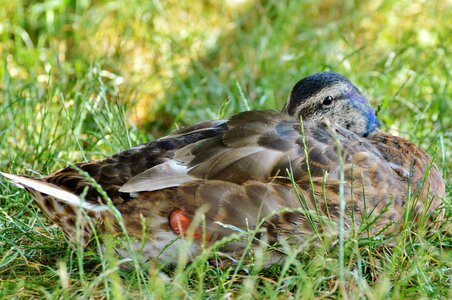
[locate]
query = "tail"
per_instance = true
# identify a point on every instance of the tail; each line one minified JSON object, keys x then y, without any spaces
{"x":38,"y":185}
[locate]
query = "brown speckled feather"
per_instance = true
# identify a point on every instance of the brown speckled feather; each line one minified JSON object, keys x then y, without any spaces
{"x":413,"y":164}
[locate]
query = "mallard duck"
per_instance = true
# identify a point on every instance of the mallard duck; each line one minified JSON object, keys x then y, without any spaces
{"x":283,"y":175}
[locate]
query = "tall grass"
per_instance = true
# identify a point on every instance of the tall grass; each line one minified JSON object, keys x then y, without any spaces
{"x":84,"y":79}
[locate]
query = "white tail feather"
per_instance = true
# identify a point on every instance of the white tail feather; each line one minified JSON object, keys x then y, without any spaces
{"x":53,"y":190}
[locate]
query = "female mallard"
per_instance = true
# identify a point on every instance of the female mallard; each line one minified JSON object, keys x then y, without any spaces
{"x":262,"y":170}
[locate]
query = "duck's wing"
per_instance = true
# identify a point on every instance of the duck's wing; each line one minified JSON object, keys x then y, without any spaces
{"x":266,"y":146}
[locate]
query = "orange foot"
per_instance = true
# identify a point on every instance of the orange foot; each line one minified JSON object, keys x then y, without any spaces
{"x":180,"y":222}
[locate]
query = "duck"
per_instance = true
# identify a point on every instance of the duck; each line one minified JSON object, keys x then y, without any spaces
{"x":286,"y":176}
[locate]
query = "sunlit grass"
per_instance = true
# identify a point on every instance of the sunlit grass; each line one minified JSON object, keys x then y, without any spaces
{"x":82,"y":80}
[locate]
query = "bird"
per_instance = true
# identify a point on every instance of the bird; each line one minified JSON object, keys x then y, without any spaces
{"x":285,"y":176}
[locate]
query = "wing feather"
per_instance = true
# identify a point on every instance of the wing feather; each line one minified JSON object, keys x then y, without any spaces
{"x":165,"y":175}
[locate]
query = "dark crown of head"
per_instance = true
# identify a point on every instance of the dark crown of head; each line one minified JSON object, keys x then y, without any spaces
{"x":311,"y":85}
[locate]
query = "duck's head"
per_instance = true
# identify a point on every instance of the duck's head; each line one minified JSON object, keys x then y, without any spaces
{"x":331,"y":95}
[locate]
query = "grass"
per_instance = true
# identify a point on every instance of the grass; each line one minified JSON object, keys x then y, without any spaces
{"x":81,"y":80}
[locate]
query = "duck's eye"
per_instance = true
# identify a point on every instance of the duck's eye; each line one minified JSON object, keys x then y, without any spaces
{"x":327,"y":101}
